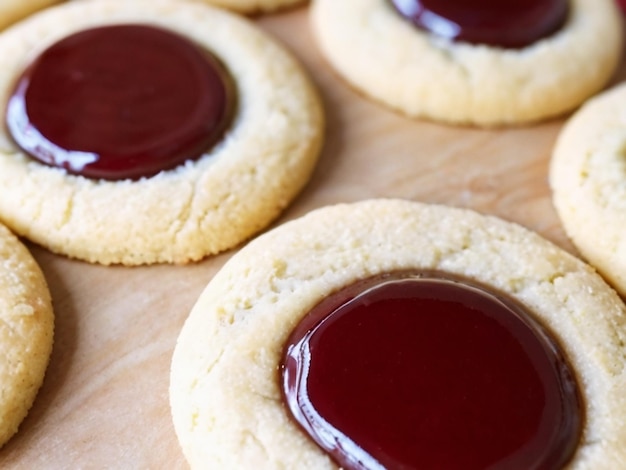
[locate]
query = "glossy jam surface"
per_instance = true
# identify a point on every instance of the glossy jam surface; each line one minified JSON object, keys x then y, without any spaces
{"x":500,"y":23}
{"x":121,"y":101}
{"x":410,"y":372}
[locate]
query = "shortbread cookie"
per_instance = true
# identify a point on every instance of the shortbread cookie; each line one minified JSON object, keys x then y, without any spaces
{"x":14,"y":10}
{"x":226,"y":389}
{"x":588,"y":181}
{"x":389,"y":59}
{"x":26,"y":332}
{"x":199,"y":207}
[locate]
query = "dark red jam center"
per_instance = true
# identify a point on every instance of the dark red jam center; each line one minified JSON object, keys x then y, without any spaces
{"x":121,"y":101}
{"x":500,"y":23}
{"x":431,"y":373}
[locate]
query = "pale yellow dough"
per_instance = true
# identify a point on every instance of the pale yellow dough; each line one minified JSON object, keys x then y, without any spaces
{"x":198,"y":209}
{"x":224,"y":385}
{"x":255,"y":6}
{"x":384,"y":56}
{"x":26,"y":332}
{"x":14,"y":10}
{"x":588,"y":180}
{"x":248,"y":7}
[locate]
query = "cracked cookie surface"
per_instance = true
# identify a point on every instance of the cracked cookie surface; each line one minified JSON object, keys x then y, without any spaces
{"x":199,"y":208}
{"x":26,"y":332}
{"x":225,"y":390}
{"x":413,"y":72}
{"x":588,"y":181}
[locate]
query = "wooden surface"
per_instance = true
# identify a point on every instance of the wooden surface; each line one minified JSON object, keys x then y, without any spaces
{"x":104,"y":402}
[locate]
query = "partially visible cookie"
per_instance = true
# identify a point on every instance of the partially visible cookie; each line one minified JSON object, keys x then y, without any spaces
{"x":422,"y":75}
{"x":248,"y":7}
{"x":198,"y":208}
{"x":225,"y":390}
{"x":255,"y":6}
{"x":26,"y":332}
{"x":14,"y":10}
{"x":588,"y":181}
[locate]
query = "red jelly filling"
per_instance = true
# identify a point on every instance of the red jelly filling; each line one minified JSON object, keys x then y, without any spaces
{"x":501,"y":23}
{"x":121,"y":101}
{"x":410,"y":372}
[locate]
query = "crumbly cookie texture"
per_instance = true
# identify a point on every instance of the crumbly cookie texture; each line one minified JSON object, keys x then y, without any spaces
{"x":224,"y":391}
{"x":588,"y":181}
{"x":26,"y":332}
{"x":14,"y":10}
{"x":199,"y":208}
{"x":384,"y":56}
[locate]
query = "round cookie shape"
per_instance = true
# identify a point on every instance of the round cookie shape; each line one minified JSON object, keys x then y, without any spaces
{"x":225,"y":390}
{"x":199,"y":208}
{"x":422,"y":75}
{"x":12,"y":11}
{"x":26,"y":332}
{"x":120,"y":101}
{"x":588,"y":182}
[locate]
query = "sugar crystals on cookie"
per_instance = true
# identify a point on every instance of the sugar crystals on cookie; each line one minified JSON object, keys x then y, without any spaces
{"x":150,"y":131}
{"x":414,"y":335}
{"x":26,"y":332}
{"x":478,"y":62}
{"x":588,"y":182}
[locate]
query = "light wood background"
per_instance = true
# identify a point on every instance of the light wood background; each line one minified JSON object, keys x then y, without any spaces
{"x":104,"y":402}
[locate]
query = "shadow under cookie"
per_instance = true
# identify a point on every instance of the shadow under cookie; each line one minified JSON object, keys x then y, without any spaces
{"x":206,"y":204}
{"x":227,"y":388}
{"x":426,"y":75}
{"x":26,"y":332}
{"x":588,"y":182}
